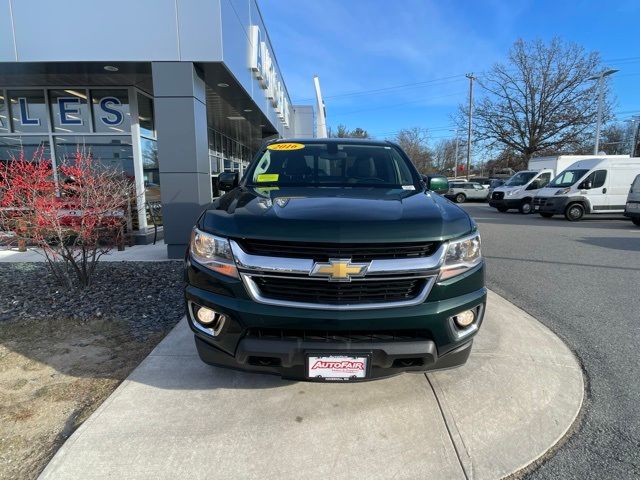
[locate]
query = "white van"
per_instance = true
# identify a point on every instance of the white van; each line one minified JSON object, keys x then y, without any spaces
{"x":596,"y":185}
{"x":518,"y":192}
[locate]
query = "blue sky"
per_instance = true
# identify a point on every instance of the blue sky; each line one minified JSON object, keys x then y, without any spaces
{"x":363,"y":45}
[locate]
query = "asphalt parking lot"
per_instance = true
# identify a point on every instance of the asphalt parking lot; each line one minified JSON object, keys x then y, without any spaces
{"x":582,"y":280}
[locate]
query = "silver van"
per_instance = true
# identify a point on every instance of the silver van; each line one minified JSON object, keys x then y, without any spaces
{"x":632,"y":208}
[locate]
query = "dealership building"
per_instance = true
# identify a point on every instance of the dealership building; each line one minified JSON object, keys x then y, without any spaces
{"x":171,"y":92}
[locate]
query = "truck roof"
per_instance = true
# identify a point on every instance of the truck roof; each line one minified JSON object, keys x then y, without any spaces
{"x":603,"y":161}
{"x":367,"y":141}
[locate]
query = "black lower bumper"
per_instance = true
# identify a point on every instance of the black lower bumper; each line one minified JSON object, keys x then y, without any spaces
{"x":288,"y":358}
{"x":505,"y":203}
{"x":553,"y":205}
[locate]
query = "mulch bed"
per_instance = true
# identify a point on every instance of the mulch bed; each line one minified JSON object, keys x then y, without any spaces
{"x":62,"y":351}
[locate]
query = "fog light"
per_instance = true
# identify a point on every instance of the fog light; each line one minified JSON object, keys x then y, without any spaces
{"x":206,"y":315}
{"x":208,"y":321}
{"x":464,"y":319}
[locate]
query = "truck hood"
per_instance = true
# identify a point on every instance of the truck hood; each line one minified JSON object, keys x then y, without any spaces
{"x":547,"y":192}
{"x":335,"y":215}
{"x":507,"y":189}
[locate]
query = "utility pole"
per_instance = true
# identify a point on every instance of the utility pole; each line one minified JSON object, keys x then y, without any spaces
{"x":455,"y":168}
{"x":321,"y":122}
{"x":600,"y":79}
{"x":471,"y":79}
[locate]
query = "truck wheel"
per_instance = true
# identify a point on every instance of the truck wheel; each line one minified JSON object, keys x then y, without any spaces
{"x":546,"y":214}
{"x":574,"y":212}
{"x":460,"y":198}
{"x":636,"y":221}
{"x":525,"y":207}
{"x":502,"y":209}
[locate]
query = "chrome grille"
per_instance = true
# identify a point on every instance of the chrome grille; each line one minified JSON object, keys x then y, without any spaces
{"x":336,"y":293}
{"x":361,"y":252}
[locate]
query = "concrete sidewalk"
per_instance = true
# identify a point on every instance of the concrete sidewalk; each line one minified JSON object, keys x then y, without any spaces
{"x":176,"y":417}
{"x":135,"y":253}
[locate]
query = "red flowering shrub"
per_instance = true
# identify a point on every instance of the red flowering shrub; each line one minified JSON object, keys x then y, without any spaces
{"x":75,"y":223}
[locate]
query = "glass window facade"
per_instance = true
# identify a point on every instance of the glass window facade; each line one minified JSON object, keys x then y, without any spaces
{"x":69,"y":110}
{"x":4,"y":114}
{"x":62,"y":120}
{"x":114,"y":152}
{"x":145,"y":116}
{"x":28,"y":111}
{"x":111,"y":112}
{"x":12,"y":146}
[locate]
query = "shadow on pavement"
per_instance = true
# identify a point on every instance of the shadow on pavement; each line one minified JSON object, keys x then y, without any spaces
{"x":609,"y":223}
{"x":556,"y":262}
{"x":629,"y":244}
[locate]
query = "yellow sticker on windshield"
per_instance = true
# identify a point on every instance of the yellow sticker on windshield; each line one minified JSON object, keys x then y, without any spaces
{"x":286,"y":146}
{"x":268,"y":177}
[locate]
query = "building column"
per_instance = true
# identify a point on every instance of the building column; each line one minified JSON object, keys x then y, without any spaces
{"x":183,"y":150}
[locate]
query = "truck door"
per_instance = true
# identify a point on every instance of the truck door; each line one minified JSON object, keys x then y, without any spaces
{"x":594,"y":187}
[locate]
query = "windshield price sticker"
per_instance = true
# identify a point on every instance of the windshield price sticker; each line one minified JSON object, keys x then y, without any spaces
{"x":268,"y":177}
{"x":286,"y":146}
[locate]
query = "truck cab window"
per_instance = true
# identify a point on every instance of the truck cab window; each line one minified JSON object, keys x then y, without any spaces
{"x":596,"y":179}
{"x":544,"y":179}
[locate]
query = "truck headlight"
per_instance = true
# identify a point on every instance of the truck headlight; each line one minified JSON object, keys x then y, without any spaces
{"x":513,"y":192}
{"x":461,"y":255}
{"x":562,"y":191}
{"x":213,"y":253}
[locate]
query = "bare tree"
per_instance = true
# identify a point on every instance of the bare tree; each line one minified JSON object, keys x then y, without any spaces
{"x":614,"y":139}
{"x":444,"y":154}
{"x":541,"y":100}
{"x":414,"y":141}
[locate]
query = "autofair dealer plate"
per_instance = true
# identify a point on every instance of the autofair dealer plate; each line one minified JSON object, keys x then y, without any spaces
{"x":337,"y":367}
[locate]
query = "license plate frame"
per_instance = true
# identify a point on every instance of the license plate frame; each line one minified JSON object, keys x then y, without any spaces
{"x":327,"y":373}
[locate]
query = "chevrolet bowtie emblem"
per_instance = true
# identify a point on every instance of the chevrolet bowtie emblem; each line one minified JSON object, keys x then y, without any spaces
{"x":339,"y":269}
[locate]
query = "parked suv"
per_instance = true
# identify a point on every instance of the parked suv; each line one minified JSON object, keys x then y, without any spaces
{"x":331,"y":261}
{"x":632,"y":209}
{"x":461,"y":192}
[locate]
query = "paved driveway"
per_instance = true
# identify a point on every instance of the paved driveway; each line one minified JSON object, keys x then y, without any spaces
{"x":583,"y":281}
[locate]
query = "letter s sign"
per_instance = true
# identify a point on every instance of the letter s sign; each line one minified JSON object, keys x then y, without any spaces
{"x":113,"y":116}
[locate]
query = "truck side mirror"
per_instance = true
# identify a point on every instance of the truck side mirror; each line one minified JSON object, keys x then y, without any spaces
{"x":227,"y":181}
{"x":535,"y":185}
{"x":586,"y":185}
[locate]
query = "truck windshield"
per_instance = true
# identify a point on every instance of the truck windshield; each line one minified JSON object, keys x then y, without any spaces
{"x":567,"y":178}
{"x":332,"y":165}
{"x":519,"y":179}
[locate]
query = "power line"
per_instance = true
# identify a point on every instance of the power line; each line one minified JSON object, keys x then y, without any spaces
{"x":390,"y":88}
{"x":384,"y":107}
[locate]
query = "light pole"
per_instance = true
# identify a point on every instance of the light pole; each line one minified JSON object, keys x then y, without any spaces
{"x":471,"y":79}
{"x":455,"y":169}
{"x":600,"y":78}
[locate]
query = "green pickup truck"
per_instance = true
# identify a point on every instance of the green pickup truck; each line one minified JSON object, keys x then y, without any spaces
{"x":331,"y":260}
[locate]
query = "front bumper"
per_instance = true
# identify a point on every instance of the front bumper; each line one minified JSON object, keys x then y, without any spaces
{"x":505,"y":203}
{"x":632,"y":212}
{"x":435,"y":342}
{"x":554,"y":205}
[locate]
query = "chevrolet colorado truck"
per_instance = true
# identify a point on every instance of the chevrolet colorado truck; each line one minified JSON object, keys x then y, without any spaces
{"x":332,"y":260}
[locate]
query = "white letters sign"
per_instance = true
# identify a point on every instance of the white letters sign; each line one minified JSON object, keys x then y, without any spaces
{"x":264,"y":69}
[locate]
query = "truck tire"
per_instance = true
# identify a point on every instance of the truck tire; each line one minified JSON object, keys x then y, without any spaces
{"x":636,"y":221}
{"x":502,"y":209}
{"x":460,"y":198}
{"x":574,"y":212}
{"x":526,"y":207}
{"x":546,"y":214}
